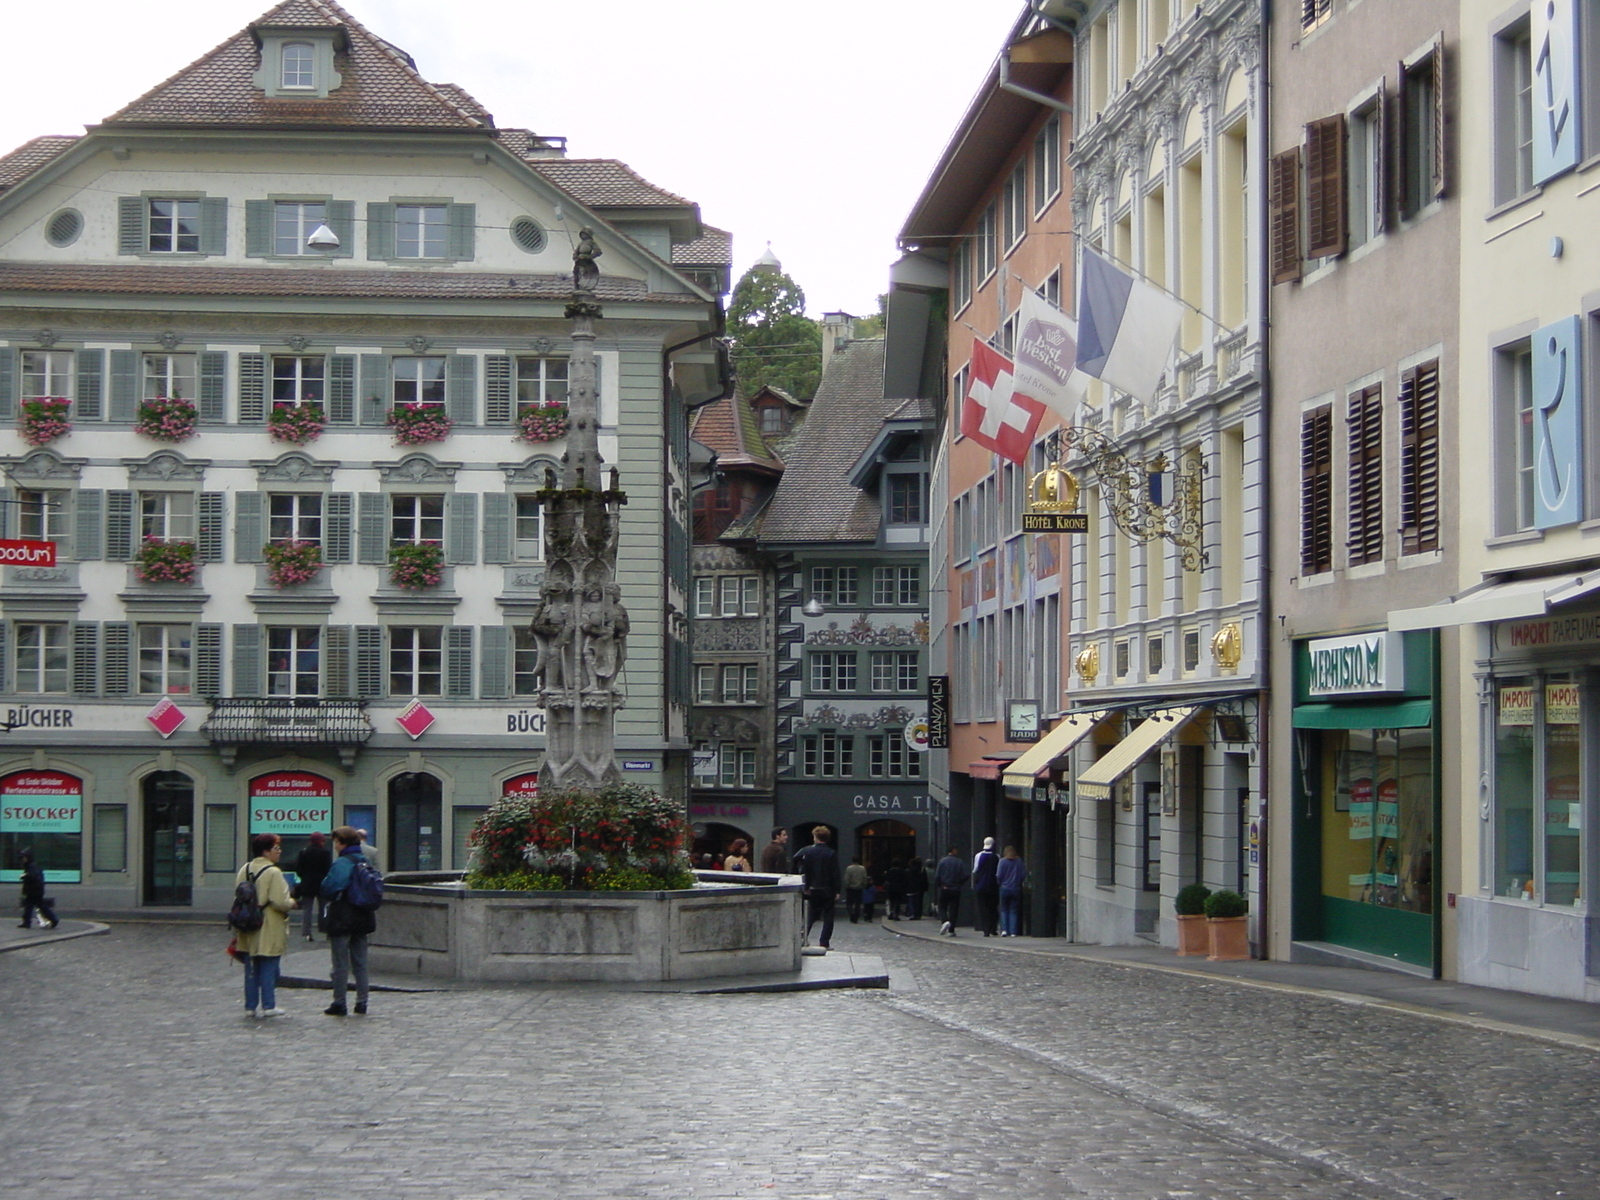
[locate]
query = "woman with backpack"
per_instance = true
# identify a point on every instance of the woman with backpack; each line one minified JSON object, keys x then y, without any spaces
{"x":353,"y":889}
{"x":263,"y":948}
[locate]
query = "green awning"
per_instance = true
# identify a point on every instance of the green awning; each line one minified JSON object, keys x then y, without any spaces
{"x":1401,"y":714}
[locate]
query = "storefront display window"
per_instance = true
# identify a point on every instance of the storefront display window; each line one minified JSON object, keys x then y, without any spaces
{"x":1538,"y":750}
{"x":1377,"y":846}
{"x":42,"y":811}
{"x":1513,"y":788}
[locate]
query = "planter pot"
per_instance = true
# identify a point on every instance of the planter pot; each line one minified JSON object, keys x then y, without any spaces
{"x":1230,"y":938}
{"x":1193,"y":936}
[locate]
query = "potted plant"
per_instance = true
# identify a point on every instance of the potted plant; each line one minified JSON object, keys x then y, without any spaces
{"x":296,"y":423}
{"x":289,"y":563}
{"x":1227,"y":922}
{"x":419,"y":424}
{"x":166,"y":418}
{"x":416,"y":566}
{"x":165,"y":562}
{"x":1190,"y":905}
{"x":545,"y":422}
{"x":43,"y":420}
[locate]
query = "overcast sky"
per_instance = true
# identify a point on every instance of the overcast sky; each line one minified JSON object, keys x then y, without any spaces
{"x":812,"y":126}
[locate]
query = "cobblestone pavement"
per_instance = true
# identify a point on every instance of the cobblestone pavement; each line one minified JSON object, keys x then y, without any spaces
{"x":129,"y":1071}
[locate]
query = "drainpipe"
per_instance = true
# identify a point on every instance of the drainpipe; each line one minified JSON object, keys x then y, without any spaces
{"x":1264,"y":641}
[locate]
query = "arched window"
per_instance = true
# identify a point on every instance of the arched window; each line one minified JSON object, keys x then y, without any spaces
{"x":299,"y":69}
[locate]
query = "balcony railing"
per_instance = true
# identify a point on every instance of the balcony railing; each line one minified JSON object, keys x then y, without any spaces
{"x":287,"y":721}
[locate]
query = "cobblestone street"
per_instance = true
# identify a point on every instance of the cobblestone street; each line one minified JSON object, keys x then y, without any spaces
{"x":130,"y":1071}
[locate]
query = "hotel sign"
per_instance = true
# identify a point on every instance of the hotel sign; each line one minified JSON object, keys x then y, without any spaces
{"x":1369,"y":664}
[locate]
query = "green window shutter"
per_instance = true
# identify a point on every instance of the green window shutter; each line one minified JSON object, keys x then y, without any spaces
{"x":91,"y":372}
{"x":461,"y":389}
{"x":213,"y":366}
{"x":214,"y":225}
{"x":119,"y":526}
{"x":461,"y":528}
{"x":458,"y":661}
{"x":133,"y":212}
{"x":461,"y":222}
{"x":248,"y":534}
{"x":375,"y":396}
{"x":88,"y":521}
{"x":258,"y":222}
{"x":117,"y":660}
{"x":342,"y":220}
{"x":336,"y":661}
{"x":9,"y":499}
{"x":336,"y":531}
{"x":246,"y":660}
{"x":496,"y":527}
{"x":380,"y":232}
{"x":86,"y":658}
{"x":341,"y":389}
{"x":8,"y":383}
{"x":494,"y":654}
{"x":252,"y":389}
{"x":497,"y":390}
{"x":124,"y":385}
{"x":208,"y":660}
{"x":5,"y":663}
{"x":209,"y":543}
{"x":369,"y":661}
{"x":372,"y":528}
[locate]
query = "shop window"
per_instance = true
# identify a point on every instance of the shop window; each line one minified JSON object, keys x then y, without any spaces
{"x":1538,"y":750}
{"x":110,"y":838}
{"x":221,"y":848}
{"x":1377,"y":820}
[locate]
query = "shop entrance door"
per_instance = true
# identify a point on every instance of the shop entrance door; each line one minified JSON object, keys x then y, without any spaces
{"x":884,"y":843}
{"x":168,"y":838}
{"x":416,"y":810}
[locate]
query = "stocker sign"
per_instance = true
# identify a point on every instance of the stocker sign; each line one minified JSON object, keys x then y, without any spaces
{"x":290,"y":803}
{"x":41,"y":802}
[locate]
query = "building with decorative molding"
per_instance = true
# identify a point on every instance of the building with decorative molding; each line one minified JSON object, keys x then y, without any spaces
{"x":283,"y":357}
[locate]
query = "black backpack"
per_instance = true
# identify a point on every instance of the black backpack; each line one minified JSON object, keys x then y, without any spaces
{"x":246,"y":914}
{"x":365,"y":889}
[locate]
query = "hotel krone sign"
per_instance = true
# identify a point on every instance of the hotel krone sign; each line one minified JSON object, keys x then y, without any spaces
{"x":1368,"y":664}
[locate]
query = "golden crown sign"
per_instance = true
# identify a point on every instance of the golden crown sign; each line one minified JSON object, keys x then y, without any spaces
{"x":1053,"y":503}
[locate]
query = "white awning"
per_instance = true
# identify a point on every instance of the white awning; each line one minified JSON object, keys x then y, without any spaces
{"x":1498,"y":602}
{"x":1037,"y":758}
{"x":1096,"y":783}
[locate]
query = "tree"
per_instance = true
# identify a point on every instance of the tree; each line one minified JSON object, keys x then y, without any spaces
{"x":774,"y":342}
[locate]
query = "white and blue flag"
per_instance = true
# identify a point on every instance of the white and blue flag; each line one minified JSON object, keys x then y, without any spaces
{"x":1126,"y":327}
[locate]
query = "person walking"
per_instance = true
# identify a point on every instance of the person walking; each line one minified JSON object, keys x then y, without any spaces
{"x":738,"y":856}
{"x":894,"y":883}
{"x":818,"y":868}
{"x":775,"y":855}
{"x":1009,"y":876}
{"x":856,"y":880}
{"x":985,"y":890}
{"x":950,"y":877}
{"x":311,"y":868}
{"x":916,"y":889}
{"x":348,"y":926}
{"x":263,"y":949}
{"x":33,"y":897}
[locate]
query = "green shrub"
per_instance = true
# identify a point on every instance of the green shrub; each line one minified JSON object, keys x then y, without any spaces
{"x":515,"y":881}
{"x":1191,"y":901}
{"x":1226,"y":904}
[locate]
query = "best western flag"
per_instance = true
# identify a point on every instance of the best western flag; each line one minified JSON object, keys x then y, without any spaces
{"x":994,"y":414}
{"x":1126,"y":327}
{"x":1047,"y":356}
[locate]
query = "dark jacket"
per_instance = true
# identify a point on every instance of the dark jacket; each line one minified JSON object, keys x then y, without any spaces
{"x":345,"y":919}
{"x":32,"y":884}
{"x":818,"y":866}
{"x":894,"y":882}
{"x":775,"y":859}
{"x":952,"y":873}
{"x":311,"y":867}
{"x":983,"y":869}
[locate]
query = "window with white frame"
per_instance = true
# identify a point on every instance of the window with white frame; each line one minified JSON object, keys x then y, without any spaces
{"x":174,"y":226}
{"x":416,"y":660}
{"x":524,"y":658}
{"x":419,"y":380}
{"x":1046,"y":164}
{"x":739,"y":596}
{"x":896,"y":671}
{"x":415,"y":520}
{"x":1050,"y":289}
{"x":541,"y":383}
{"x":896,"y":586}
{"x":1513,"y":111}
{"x":705,"y":596}
{"x":833,"y":671}
{"x":42,"y":657}
{"x":293,"y":223}
{"x":297,"y":379}
{"x":47,"y":373}
{"x":835,"y":586}
{"x":527,"y":538}
{"x":827,"y":756}
{"x":888,"y":756}
{"x":741,"y":683}
{"x":705,"y":764}
{"x":984,"y":248}
{"x":294,"y":661}
{"x":299,"y":66}
{"x":1518,"y":435}
{"x":169,"y":377}
{"x":166,"y":654}
{"x":961,"y":274}
{"x":705,"y":683}
{"x":1365,"y":180}
{"x":420,"y":230}
{"x":738,"y":766}
{"x":1014,"y":206}
{"x":44,"y":515}
{"x":166,"y":516}
{"x":293,"y":517}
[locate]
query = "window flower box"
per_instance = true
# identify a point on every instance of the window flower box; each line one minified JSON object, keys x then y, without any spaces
{"x":44,"y":420}
{"x":290,"y":563}
{"x":296,"y":423}
{"x":166,"y":419}
{"x":416,"y":567}
{"x":165,"y":562}
{"x":419,"y":424}
{"x":543,"y":423}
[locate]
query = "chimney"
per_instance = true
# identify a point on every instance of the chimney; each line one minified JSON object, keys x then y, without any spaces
{"x":837,"y":328}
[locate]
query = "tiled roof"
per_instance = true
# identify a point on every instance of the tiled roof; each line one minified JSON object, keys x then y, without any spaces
{"x":814,"y":502}
{"x":606,"y":183}
{"x":713,"y":249}
{"x":729,"y":427}
{"x":182,"y":279}
{"x":29,"y":157}
{"x":525,"y":142}
{"x":381,"y":87}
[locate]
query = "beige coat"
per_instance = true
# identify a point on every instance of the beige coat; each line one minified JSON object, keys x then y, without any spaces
{"x":272,"y":891}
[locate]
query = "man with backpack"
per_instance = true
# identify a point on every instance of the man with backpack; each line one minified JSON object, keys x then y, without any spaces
{"x":353,"y":890}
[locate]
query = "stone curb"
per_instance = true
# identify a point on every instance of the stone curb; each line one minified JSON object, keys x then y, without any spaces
{"x":47,"y":937}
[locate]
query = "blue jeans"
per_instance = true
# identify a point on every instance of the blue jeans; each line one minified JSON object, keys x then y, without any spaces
{"x":261,"y":981}
{"x":349,"y":952}
{"x":1011,"y":913}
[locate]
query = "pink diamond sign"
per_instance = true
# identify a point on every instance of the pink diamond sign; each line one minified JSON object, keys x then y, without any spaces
{"x":415,"y":719}
{"x":166,"y":717}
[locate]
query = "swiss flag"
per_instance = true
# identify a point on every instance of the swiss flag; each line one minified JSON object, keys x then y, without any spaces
{"x":992,"y":414}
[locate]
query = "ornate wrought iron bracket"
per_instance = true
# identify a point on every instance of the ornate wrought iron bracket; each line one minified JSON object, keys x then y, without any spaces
{"x":1134,"y":500}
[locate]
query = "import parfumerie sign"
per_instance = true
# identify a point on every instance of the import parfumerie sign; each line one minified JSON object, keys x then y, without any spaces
{"x":1368,"y":664}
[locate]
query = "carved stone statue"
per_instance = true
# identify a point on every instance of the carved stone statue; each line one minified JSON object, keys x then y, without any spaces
{"x":584,"y":273}
{"x":605,"y":637}
{"x":552,"y":635}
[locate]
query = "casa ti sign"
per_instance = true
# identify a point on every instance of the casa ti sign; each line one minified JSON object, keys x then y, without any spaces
{"x":1368,"y":664}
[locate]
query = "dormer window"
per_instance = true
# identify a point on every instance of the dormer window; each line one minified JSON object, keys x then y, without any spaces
{"x":299,"y":66}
